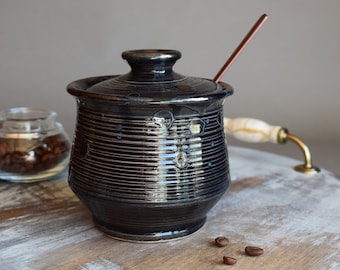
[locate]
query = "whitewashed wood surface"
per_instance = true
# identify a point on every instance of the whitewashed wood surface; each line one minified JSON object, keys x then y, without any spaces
{"x":294,"y":217}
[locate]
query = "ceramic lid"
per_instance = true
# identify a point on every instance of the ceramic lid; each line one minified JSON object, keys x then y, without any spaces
{"x":151,"y":80}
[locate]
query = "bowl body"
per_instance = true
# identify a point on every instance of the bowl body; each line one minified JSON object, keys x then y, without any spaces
{"x":148,"y":177}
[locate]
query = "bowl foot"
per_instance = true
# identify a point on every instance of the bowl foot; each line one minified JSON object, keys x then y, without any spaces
{"x":157,"y":236}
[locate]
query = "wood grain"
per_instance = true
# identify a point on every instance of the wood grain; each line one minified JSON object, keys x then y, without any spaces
{"x":294,"y":217}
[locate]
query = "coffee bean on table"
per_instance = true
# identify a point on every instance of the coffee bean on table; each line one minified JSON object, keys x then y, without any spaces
{"x":229,"y":260}
{"x":221,"y":241}
{"x":253,"y":251}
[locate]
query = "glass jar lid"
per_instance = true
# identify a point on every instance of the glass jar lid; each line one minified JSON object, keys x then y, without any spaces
{"x":24,"y":120}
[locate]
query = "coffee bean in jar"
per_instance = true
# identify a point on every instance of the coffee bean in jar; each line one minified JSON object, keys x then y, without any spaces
{"x":33,"y":146}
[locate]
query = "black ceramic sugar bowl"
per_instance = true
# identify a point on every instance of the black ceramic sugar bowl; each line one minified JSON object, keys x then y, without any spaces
{"x":149,"y":158}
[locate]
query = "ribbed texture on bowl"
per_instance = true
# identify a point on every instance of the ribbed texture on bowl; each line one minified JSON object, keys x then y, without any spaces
{"x":149,"y":178}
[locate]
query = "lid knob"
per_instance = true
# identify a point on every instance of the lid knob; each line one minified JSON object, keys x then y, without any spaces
{"x":151,"y":65}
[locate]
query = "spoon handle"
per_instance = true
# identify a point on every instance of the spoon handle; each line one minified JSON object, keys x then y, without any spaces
{"x":240,"y":47}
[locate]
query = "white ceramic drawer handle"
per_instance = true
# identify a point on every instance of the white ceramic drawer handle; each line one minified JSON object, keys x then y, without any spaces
{"x":256,"y":131}
{"x":251,"y":130}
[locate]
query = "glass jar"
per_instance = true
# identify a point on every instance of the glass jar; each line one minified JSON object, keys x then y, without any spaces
{"x":33,"y":146}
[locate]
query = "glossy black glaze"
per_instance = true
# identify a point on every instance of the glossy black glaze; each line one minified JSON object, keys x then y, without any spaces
{"x":149,"y":158}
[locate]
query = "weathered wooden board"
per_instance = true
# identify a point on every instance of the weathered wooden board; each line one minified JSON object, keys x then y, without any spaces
{"x":294,"y":217}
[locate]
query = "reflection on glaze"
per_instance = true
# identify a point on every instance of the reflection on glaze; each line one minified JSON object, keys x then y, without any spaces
{"x":164,"y":119}
{"x":196,"y":126}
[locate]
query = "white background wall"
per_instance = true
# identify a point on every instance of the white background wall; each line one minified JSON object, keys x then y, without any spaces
{"x":288,"y":75}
